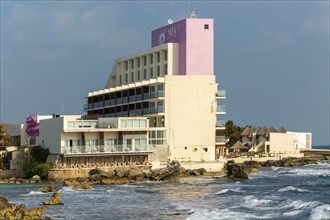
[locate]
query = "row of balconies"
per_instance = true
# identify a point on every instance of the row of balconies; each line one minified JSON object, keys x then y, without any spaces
{"x":124,"y":100}
{"x":137,"y":112}
{"x":115,"y":149}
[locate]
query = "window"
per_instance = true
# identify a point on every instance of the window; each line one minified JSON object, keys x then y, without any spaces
{"x":132,"y":76}
{"x":132,"y":64}
{"x":151,"y":72}
{"x":206,"y":26}
{"x":165,"y":55}
{"x":165,"y":69}
{"x":120,"y":79}
{"x":138,"y":75}
{"x":126,"y":78}
{"x":126,"y":65}
{"x":138,"y":62}
{"x":158,"y":70}
{"x":158,"y":57}
{"x":151,"y":59}
{"x":144,"y":74}
{"x":145,"y":60}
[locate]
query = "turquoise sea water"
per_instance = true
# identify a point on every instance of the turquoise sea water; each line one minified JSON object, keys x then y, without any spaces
{"x":271,"y":193}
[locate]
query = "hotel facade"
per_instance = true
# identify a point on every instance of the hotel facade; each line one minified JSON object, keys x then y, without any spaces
{"x":157,"y":105}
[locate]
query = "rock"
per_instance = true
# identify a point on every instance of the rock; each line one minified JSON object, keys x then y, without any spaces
{"x":112,"y":181}
{"x":237,"y":171}
{"x":82,"y":186}
{"x":171,"y":172}
{"x":55,"y":200}
{"x":11,"y":211}
{"x":46,"y":189}
{"x":70,"y":182}
{"x":97,"y":174}
{"x":135,"y":174}
{"x":36,"y":178}
{"x":201,"y":171}
{"x":120,"y":172}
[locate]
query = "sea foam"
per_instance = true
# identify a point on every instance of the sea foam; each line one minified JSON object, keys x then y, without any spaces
{"x":320,"y":212}
{"x":224,"y":191}
{"x":292,"y":189}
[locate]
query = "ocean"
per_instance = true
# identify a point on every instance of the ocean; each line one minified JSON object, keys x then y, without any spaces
{"x":271,"y":193}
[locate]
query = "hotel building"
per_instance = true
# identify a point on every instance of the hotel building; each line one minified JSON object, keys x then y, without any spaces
{"x":173,"y":85}
{"x":157,"y":105}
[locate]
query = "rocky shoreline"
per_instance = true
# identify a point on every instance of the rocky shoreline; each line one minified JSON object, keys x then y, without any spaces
{"x":242,"y":170}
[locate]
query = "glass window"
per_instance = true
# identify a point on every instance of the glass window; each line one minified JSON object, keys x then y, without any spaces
{"x":138,"y":61}
{"x":129,"y":123}
{"x":143,"y":124}
{"x":145,"y":60}
{"x":132,"y":76}
{"x":151,"y":72}
{"x":132,"y":64}
{"x":158,"y":70}
{"x":124,"y":123}
{"x":151,"y":59}
{"x":136,"y":123}
{"x":158,"y":57}
{"x":165,"y":69}
{"x":138,"y":75}
{"x":126,"y":65}
{"x":165,"y":54}
{"x":126,"y":78}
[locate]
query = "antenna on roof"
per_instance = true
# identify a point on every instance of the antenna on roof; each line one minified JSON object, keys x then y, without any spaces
{"x":193,"y":14}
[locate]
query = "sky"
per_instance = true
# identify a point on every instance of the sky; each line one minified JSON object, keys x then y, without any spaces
{"x":271,"y":57}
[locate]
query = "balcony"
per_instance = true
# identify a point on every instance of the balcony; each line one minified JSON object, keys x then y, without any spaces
{"x":119,"y":101}
{"x":220,"y":124}
{"x":221,"y":109}
{"x":125,"y":100}
{"x":158,"y":94}
{"x":81,"y":124}
{"x":220,"y":139}
{"x":221,"y":94}
{"x":132,"y":98}
{"x":106,"y":149}
{"x":156,"y":110}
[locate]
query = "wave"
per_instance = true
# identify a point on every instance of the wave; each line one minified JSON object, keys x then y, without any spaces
{"x":224,"y":191}
{"x":253,"y":202}
{"x":299,"y":204}
{"x":66,"y":189}
{"x":320,"y":212}
{"x":292,"y":189}
{"x":226,"y":213}
{"x":320,"y":171}
{"x":35,"y":193}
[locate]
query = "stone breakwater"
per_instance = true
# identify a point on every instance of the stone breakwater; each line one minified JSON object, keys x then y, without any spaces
{"x":124,"y":175}
{"x":242,"y":170}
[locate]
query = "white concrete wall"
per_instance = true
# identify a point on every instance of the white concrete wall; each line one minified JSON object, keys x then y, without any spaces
{"x":302,"y":140}
{"x":281,"y":143}
{"x":190,"y":117}
{"x":50,"y":134}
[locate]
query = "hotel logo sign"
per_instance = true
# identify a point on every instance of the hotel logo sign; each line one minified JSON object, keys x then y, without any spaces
{"x":167,"y":35}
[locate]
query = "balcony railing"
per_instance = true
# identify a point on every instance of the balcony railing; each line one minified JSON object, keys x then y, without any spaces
{"x":220,"y":139}
{"x":155,"y":110}
{"x":156,"y":94}
{"x":221,"y":93}
{"x":220,"y":124}
{"x":99,"y":149}
{"x":221,"y":109}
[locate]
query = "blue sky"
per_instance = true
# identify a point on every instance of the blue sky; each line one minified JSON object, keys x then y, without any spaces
{"x":272,"y":57}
